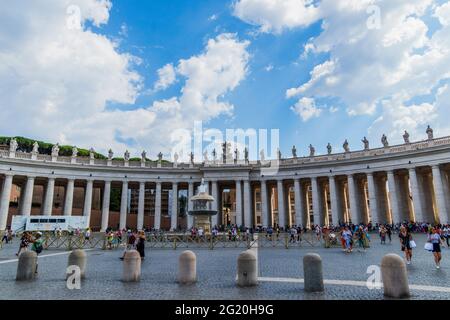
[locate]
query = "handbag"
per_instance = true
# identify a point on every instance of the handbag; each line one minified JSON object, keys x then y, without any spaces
{"x":412,"y":244}
{"x":428,"y":246}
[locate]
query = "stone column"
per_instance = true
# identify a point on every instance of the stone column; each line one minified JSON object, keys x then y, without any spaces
{"x":105,"y":205}
{"x":393,"y":199}
{"x":315,"y":200}
{"x":48,"y":202}
{"x":68,"y":202}
{"x":157,"y":223}
{"x":248,"y":221}
{"x":28,"y":197}
{"x":298,"y":203}
{"x":373,"y":206}
{"x":141,"y":203}
{"x":334,"y":201}
{"x":439,"y":194}
{"x":264,"y":204}
{"x":88,"y":201}
{"x":215,"y":204}
{"x":4,"y":200}
{"x":190,"y":219}
{"x":281,"y":206}
{"x":123,"y":205}
{"x":174,"y":217}
{"x":239,"y":221}
{"x":355,"y":214}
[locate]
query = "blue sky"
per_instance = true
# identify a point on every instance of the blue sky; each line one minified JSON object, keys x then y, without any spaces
{"x":161,"y":32}
{"x":314,"y":70}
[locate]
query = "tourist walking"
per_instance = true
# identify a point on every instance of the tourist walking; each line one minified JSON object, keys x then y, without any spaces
{"x":383,"y":232}
{"x":130,"y":244}
{"x":140,"y":244}
{"x":37,"y":246}
{"x":359,"y":234}
{"x":24,"y":242}
{"x":406,"y":243}
{"x":389,"y":233}
{"x":347,"y":235}
{"x":5,"y":237}
{"x":435,"y":239}
{"x":446,"y":234}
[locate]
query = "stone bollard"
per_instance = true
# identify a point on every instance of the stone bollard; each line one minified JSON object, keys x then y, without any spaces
{"x":187,"y":268}
{"x":312,"y":272}
{"x":246,"y":269}
{"x":131,"y":266}
{"x":395,"y":279}
{"x":78,"y":258}
{"x":26,"y":268}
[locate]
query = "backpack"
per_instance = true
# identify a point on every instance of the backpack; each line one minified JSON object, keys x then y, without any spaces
{"x":38,"y":247}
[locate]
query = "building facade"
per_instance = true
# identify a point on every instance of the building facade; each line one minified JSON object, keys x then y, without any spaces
{"x":408,"y":182}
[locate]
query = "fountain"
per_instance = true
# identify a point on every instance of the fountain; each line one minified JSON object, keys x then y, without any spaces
{"x":201,"y":212}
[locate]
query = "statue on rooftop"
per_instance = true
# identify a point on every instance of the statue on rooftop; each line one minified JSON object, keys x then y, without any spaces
{"x":384,"y":141}
{"x":55,"y":150}
{"x":294,"y":151}
{"x":429,"y":133}
{"x":366,"y":143}
{"x":74,"y":152}
{"x":312,"y":150}
{"x":110,"y":154}
{"x":406,"y":137}
{"x":329,"y":148}
{"x":35,"y":148}
{"x":13,"y":145}
{"x":345,"y":146}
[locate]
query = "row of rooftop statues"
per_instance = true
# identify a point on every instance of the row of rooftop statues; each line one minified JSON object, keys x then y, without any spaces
{"x":226,"y":150}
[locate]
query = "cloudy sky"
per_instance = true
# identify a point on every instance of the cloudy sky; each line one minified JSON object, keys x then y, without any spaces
{"x":130,"y":74}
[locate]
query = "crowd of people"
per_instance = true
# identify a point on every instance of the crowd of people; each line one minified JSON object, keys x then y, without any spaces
{"x":350,"y":236}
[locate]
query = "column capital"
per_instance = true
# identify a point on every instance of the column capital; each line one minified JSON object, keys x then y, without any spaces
{"x":435,"y":166}
{"x":31,"y":177}
{"x":8,"y":173}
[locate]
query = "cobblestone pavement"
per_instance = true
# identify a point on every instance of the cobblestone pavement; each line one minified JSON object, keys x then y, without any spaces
{"x":216,"y":271}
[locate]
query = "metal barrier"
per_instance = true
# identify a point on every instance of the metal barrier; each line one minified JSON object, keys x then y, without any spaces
{"x":175,"y":241}
{"x":71,"y":242}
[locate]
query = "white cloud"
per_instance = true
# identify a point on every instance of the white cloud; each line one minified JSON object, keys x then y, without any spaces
{"x":208,"y":76}
{"x":381,"y":71}
{"x":213,"y":17}
{"x":273,"y":16}
{"x":167,"y":76}
{"x":56,"y":82}
{"x":268,"y":68}
{"x":56,"y":79}
{"x":443,"y":14}
{"x":372,"y":69}
{"x":306,"y":108}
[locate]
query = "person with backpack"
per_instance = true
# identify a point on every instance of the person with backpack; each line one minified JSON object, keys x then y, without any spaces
{"x":38,"y":246}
